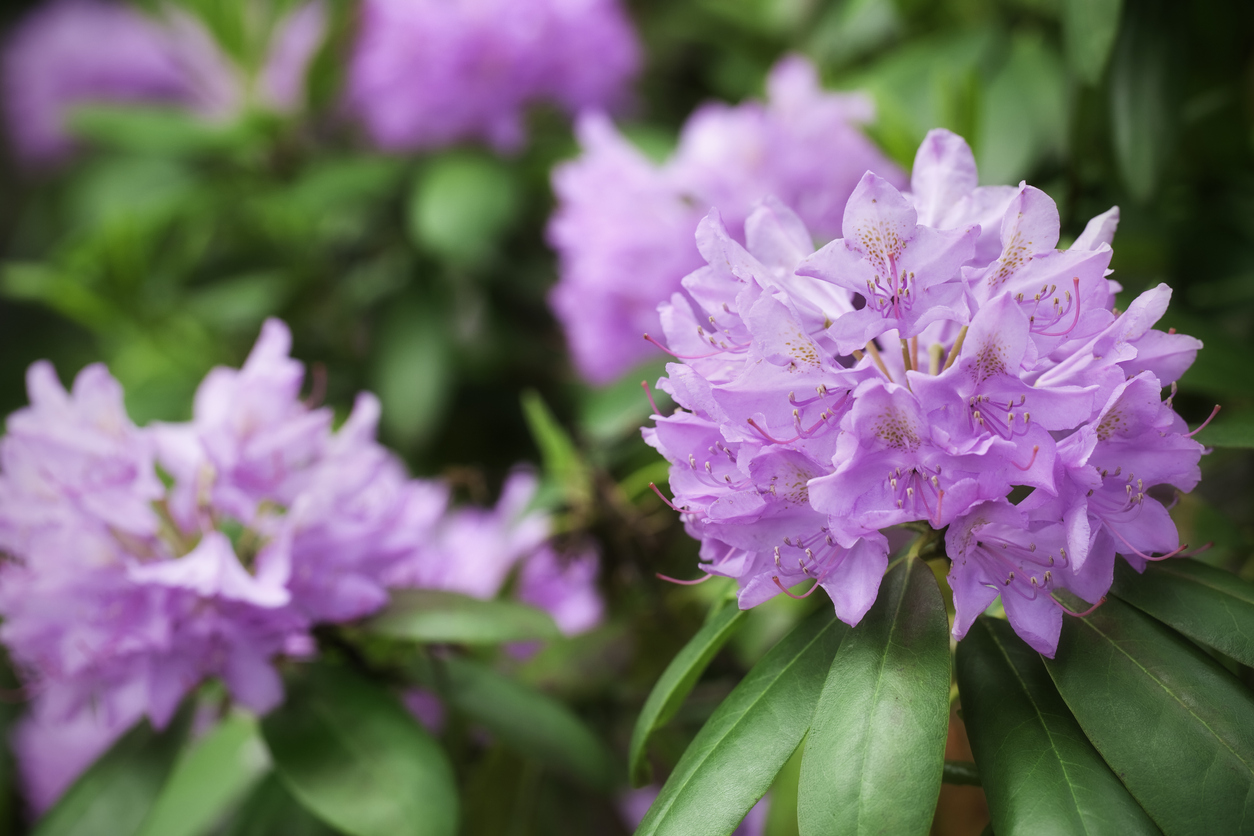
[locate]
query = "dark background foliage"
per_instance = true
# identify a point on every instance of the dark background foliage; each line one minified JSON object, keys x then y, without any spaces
{"x":162,"y":248}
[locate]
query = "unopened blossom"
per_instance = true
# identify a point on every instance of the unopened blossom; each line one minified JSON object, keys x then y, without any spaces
{"x":69,"y":53}
{"x":912,"y":373}
{"x":427,"y":73}
{"x":623,"y":225}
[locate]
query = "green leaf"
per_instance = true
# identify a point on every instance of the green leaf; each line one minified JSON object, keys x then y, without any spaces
{"x":677,"y":682}
{"x":209,"y":777}
{"x":1175,"y":726}
{"x":1234,"y":431}
{"x":1208,"y":605}
{"x":1039,"y":772}
{"x":607,"y":413}
{"x":1023,"y":118}
{"x":742,"y":747}
{"x":271,"y":811}
{"x":413,"y":371}
{"x":432,"y":615}
{"x":876,"y":750}
{"x":1143,"y":113}
{"x":155,"y":130}
{"x":461,"y":205}
{"x":352,"y":755}
{"x":563,"y":466}
{"x":531,"y":723}
{"x":116,"y":792}
{"x":781,"y":815}
{"x":1089,"y":29}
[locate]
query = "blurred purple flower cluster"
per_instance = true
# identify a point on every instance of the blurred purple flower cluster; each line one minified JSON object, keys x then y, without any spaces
{"x":144,"y":560}
{"x":916,"y":371}
{"x":426,"y":73}
{"x":77,"y":52}
{"x":623,"y":226}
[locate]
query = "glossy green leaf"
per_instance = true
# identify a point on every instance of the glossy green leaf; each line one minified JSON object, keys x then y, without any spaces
{"x":461,"y":205}
{"x":533,"y":724}
{"x":874,"y":756}
{"x":1236,"y":431}
{"x":1089,"y":29}
{"x":564,"y":468}
{"x":352,"y":755}
{"x":1039,"y":772}
{"x":208,"y":778}
{"x":1175,"y":726}
{"x":1024,"y":113}
{"x":116,"y":792}
{"x":676,"y":684}
{"x":432,"y":615}
{"x":1143,"y":117}
{"x":742,"y":747}
{"x":413,"y":371}
{"x":270,"y":810}
{"x":1208,"y":605}
{"x":781,"y":815}
{"x":155,"y":130}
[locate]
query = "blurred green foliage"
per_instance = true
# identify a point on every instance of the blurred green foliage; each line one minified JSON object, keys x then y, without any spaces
{"x":162,"y":249}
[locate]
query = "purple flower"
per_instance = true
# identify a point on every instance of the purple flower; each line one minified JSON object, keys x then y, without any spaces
{"x":564,"y":586}
{"x":73,"y":52}
{"x":271,"y":522}
{"x":623,"y":224}
{"x":918,"y":371}
{"x":293,"y":44}
{"x":473,"y":550}
{"x":77,"y":52}
{"x":427,"y":73}
{"x":53,"y":751}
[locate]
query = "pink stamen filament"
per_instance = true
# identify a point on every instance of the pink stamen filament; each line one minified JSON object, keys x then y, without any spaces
{"x":686,"y":356}
{"x":817,"y":583}
{"x":669,"y":504}
{"x":649,"y":394}
{"x":669,"y":579}
{"x":1036,"y":448}
{"x":1209,"y":418}
{"x":1142,"y":554}
{"x":1069,"y":611}
{"x":1074,"y":321}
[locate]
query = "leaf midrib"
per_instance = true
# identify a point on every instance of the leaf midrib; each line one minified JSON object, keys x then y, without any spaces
{"x":1249,"y":768}
{"x":1053,"y":747}
{"x":879,"y":681}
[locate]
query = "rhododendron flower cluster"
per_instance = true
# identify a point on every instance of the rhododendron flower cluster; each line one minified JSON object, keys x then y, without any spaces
{"x":427,"y":73}
{"x":915,"y":372}
{"x":75,"y":52}
{"x":623,"y":225}
{"x":143,"y":560}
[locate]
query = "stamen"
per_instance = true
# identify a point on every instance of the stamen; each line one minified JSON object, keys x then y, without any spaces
{"x":1036,"y":448}
{"x":1142,"y":554}
{"x":874,"y":351}
{"x":649,"y":395}
{"x":953,"y":352}
{"x":1209,"y":418}
{"x":669,"y":579}
{"x":803,"y":595}
{"x":684,"y":356}
{"x":940,"y":501}
{"x":1069,"y":611}
{"x":1075,"y":321}
{"x":669,"y":504}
